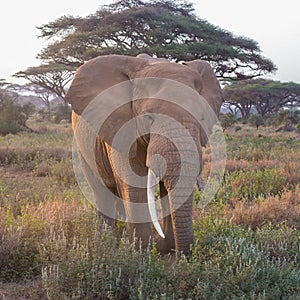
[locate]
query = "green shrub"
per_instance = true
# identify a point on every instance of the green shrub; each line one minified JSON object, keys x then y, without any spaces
{"x":7,"y":127}
{"x":13,"y":117}
{"x":256,"y":120}
{"x":28,"y":158}
{"x":250,"y":148}
{"x":19,"y":255}
{"x":228,"y":262}
{"x":279,"y":242}
{"x":99,"y":266}
{"x":227,"y":120}
{"x":62,"y":172}
{"x":62,"y":112}
{"x":250,"y":184}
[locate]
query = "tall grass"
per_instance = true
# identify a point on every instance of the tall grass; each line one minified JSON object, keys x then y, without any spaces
{"x":53,"y":246}
{"x":228,"y":262}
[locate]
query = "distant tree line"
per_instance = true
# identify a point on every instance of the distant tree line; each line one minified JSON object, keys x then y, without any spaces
{"x":261,"y":96}
{"x":261,"y":101}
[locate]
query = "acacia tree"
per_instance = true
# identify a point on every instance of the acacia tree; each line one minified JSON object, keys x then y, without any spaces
{"x":45,"y":95}
{"x":160,"y":28}
{"x":271,"y":96}
{"x":52,"y":77}
{"x":238,"y":98}
{"x":262,"y":95}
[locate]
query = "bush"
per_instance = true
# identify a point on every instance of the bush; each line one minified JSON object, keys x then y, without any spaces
{"x":228,"y":262}
{"x":227,"y":120}
{"x":13,"y":117}
{"x":62,"y":112}
{"x":256,"y":120}
{"x":273,"y":210}
{"x":62,"y":172}
{"x":250,"y":184}
{"x":19,"y":257}
{"x":100,"y":268}
{"x":28,"y":158}
{"x":25,"y":232}
{"x":283,"y":117}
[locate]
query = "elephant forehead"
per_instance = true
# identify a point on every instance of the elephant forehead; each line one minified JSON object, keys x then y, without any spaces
{"x":173,"y":71}
{"x":161,"y":106}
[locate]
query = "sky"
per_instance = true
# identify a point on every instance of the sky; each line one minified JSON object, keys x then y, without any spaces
{"x":275,"y":25}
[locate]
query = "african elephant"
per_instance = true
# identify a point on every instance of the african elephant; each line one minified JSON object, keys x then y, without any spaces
{"x":137,"y":120}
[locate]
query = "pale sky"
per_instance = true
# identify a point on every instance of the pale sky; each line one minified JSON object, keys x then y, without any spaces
{"x":275,"y":25}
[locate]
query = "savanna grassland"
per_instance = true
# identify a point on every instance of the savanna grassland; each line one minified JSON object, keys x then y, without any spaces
{"x":247,"y":240}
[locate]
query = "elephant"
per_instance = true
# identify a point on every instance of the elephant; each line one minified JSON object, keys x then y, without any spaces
{"x":132,"y":136}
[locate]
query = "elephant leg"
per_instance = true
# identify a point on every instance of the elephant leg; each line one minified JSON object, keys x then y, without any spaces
{"x":135,"y":205}
{"x":127,"y":172}
{"x":167,"y":244}
{"x":109,"y":208}
{"x":99,"y":194}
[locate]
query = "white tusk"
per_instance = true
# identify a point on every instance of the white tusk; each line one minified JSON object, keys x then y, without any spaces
{"x":151,"y":202}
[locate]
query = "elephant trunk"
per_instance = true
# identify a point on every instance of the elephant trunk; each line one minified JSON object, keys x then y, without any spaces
{"x":174,"y":157}
{"x":181,"y":204}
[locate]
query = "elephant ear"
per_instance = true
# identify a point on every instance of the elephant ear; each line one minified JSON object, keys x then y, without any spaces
{"x":208,"y":87}
{"x":101,"y":93}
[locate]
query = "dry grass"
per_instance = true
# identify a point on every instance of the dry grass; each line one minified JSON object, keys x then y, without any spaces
{"x":273,"y":209}
{"x":27,"y":290}
{"x":45,"y":224}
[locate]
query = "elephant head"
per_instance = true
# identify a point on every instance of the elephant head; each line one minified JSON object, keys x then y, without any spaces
{"x":156,"y":115}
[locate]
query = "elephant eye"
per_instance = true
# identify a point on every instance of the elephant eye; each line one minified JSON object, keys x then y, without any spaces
{"x":148,"y":119}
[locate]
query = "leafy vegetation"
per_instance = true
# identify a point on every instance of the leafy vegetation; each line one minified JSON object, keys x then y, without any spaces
{"x":227,"y":120}
{"x":265,"y":97}
{"x":13,"y":117}
{"x":53,"y":246}
{"x":52,"y":77}
{"x":165,"y":28}
{"x":256,"y":120}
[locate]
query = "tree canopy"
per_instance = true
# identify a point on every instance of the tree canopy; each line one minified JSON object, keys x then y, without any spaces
{"x":52,"y":76}
{"x":265,"y":96}
{"x":161,"y":28}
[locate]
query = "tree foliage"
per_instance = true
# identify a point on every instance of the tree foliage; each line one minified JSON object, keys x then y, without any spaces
{"x":227,"y":120}
{"x":13,"y":117}
{"x":161,"y":28}
{"x":51,"y":76}
{"x":45,"y":95}
{"x":261,"y":95}
{"x":256,"y":120}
